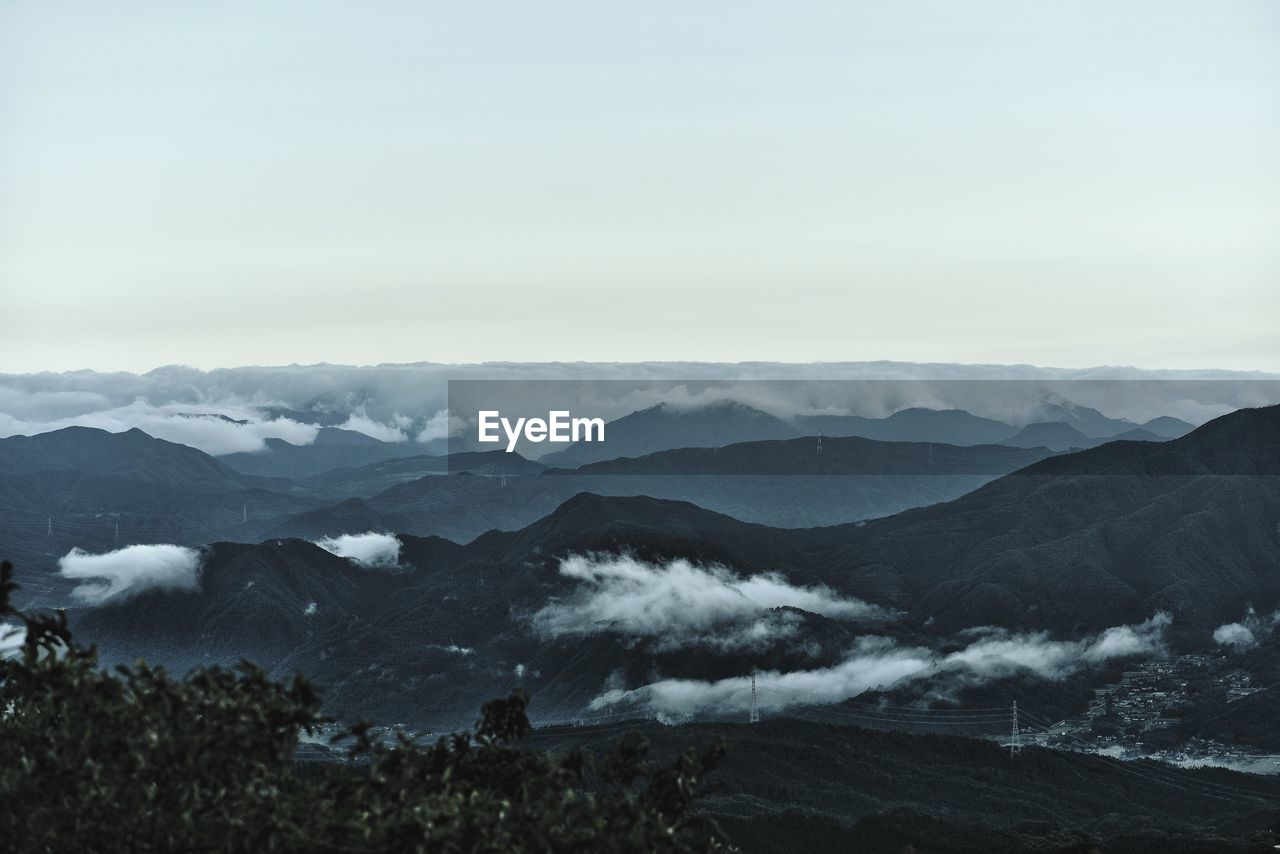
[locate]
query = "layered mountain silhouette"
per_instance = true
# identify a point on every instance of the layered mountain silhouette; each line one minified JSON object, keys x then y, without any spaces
{"x":1188,"y":526}
{"x":333,"y":448}
{"x":1061,"y":436}
{"x":81,"y":487}
{"x":374,"y":478}
{"x":1168,"y":427}
{"x":1089,"y":421}
{"x":833,"y":456}
{"x":87,"y":488}
{"x":667,"y":427}
{"x":948,"y":426}
{"x":664,"y":426}
{"x":1055,"y":435}
{"x":1072,"y":544}
{"x":787,"y":483}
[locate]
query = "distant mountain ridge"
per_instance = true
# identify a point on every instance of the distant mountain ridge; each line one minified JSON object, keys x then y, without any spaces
{"x":781,"y":482}
{"x":1169,"y":427}
{"x":663,"y":427}
{"x":1087,"y":420}
{"x":131,"y":454}
{"x":834,"y":455}
{"x":949,"y":426}
{"x":333,"y":448}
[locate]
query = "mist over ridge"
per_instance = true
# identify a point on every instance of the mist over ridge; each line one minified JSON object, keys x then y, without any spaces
{"x":239,"y":410}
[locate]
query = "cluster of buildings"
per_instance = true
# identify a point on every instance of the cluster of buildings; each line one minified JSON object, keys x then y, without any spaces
{"x":1141,"y":715}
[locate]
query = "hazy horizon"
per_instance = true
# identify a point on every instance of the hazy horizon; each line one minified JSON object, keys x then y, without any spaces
{"x":417,"y":402}
{"x":1066,"y":184}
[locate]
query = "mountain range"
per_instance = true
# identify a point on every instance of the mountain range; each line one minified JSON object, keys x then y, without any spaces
{"x":880,"y":597}
{"x":666,"y":427}
{"x":87,"y":488}
{"x":1072,"y":544}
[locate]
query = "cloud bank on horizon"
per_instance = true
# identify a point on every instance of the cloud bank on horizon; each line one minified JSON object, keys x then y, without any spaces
{"x":237,"y":409}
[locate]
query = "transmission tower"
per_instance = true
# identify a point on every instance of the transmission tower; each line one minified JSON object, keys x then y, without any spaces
{"x":930,"y":454}
{"x":755,"y":709}
{"x":502,"y":477}
{"x":1015,"y":742}
{"x":49,"y":527}
{"x":117,"y":530}
{"x":244,"y":514}
{"x":819,"y":442}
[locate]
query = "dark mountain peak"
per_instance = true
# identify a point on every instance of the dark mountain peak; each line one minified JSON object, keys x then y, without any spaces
{"x":1245,"y":442}
{"x":338,"y":436}
{"x":353,"y":505}
{"x":650,"y":528}
{"x":1086,"y":419}
{"x":350,"y":516}
{"x":590,"y":507}
{"x":1169,"y":427}
{"x":912,"y":413}
{"x":131,"y":454}
{"x":1054,"y":435}
{"x":75,"y":431}
{"x":1259,"y":426}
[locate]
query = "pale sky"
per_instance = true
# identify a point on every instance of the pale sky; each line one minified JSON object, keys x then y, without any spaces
{"x":1058,"y":183}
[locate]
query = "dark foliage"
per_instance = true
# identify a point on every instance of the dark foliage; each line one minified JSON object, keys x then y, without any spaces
{"x":135,"y":760}
{"x":789,"y":785}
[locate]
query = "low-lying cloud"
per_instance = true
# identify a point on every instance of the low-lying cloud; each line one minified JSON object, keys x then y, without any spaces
{"x":999,"y":653}
{"x":678,"y":604}
{"x":371,"y":550}
{"x":120,"y":574}
{"x":226,"y":428}
{"x":1248,"y":633}
{"x":360,"y":422}
{"x":880,"y":663}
